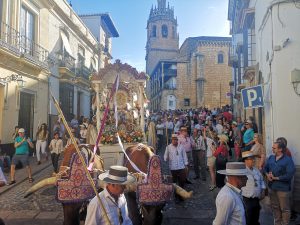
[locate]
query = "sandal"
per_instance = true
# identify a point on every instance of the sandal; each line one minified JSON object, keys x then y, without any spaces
{"x":12,"y":182}
{"x":30,"y":179}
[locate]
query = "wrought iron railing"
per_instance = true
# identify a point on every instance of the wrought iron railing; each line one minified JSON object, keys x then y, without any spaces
{"x":83,"y":72}
{"x":67,"y":61}
{"x":20,"y":45}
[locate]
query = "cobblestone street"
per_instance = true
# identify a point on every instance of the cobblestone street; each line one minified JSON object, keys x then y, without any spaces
{"x":41,"y":208}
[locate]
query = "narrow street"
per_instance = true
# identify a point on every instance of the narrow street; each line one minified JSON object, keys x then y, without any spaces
{"x":41,"y":208}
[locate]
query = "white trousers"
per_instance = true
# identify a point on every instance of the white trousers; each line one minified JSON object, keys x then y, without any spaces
{"x":40,"y":147}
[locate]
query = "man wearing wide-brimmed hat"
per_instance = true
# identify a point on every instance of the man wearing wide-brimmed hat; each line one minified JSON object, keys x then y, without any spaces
{"x":229,"y":204}
{"x":112,"y":198}
{"x":254,"y":189}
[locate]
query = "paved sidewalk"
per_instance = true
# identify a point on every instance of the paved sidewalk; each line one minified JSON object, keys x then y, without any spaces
{"x":21,"y":174}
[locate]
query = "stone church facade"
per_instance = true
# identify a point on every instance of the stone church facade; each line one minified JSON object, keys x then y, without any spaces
{"x":194,"y":75}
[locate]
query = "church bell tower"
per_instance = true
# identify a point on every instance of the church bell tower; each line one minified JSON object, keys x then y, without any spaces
{"x":162,"y":36}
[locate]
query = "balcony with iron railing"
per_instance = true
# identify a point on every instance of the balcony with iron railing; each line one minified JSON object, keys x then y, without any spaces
{"x":11,"y":40}
{"x":71,"y":69}
{"x":67,"y":61}
{"x":83,"y":72}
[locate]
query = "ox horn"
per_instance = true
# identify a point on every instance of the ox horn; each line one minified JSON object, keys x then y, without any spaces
{"x":178,"y":190}
{"x":41,"y":184}
{"x":182,"y":192}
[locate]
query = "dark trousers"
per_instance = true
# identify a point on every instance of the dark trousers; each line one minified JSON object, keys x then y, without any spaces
{"x":179,"y":177}
{"x":199,"y":160}
{"x":54,"y":158}
{"x":169,"y":136}
{"x":160,"y":142}
{"x":252,"y":209}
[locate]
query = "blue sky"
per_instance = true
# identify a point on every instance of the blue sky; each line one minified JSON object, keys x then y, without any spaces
{"x":195,"y":18}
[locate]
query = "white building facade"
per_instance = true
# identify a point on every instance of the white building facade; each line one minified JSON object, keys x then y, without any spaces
{"x":266,"y":50}
{"x":48,"y":47}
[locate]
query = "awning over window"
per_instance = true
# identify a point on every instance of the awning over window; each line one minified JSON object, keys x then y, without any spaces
{"x":66,"y":43}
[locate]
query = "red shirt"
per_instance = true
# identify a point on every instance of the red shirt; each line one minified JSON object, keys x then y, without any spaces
{"x":288,"y":152}
{"x":228,"y":116}
{"x":221,"y":149}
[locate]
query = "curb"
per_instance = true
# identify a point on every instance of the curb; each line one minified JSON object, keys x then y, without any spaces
{"x":9,"y":187}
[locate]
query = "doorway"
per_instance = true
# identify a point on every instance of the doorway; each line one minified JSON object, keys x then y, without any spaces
{"x":26,"y":113}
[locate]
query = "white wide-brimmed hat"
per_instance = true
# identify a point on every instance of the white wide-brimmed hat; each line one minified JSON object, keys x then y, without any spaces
{"x":234,"y":169}
{"x":117,"y":175}
{"x":174,"y":136}
{"x":247,"y":154}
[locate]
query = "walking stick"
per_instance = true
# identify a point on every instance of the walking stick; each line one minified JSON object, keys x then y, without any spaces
{"x":80,"y":156}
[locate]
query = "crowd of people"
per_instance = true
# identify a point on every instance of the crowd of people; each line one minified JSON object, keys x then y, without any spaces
{"x":232,"y":151}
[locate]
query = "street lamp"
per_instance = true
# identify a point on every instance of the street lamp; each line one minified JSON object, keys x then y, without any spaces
{"x":231,"y":85}
{"x":14,"y":77}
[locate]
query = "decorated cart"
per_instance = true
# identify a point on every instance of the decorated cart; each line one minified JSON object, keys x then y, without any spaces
{"x":129,"y":101}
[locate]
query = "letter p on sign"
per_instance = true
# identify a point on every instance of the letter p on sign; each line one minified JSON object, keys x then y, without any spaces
{"x":253,"y":97}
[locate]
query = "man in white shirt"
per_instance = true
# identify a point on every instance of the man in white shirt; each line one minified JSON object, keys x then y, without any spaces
{"x":177,"y":126}
{"x":219,"y":127}
{"x":170,"y":128}
{"x":178,"y":162}
{"x":254,"y":189}
{"x":229,"y":203}
{"x":113,"y":200}
{"x":160,"y":134}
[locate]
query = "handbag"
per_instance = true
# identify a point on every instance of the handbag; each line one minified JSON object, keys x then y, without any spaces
{"x":221,"y":160}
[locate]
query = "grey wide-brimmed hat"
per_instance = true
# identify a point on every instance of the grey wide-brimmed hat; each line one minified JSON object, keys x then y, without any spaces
{"x":117,"y":175}
{"x":234,"y":169}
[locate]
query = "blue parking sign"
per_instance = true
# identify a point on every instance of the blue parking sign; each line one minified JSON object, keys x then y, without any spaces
{"x":253,"y":97}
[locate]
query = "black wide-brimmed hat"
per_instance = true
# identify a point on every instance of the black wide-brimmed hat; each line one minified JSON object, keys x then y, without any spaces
{"x":117,"y":175}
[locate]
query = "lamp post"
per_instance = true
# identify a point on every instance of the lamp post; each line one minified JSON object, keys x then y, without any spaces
{"x":231,"y":84}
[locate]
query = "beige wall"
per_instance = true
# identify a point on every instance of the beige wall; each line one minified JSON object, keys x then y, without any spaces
{"x":217,"y":77}
{"x":157,"y":45}
{"x":2,"y":89}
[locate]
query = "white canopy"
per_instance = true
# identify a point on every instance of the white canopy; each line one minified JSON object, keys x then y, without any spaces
{"x":66,"y":43}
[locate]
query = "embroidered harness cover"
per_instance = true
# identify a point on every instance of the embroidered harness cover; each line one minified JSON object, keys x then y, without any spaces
{"x":154,"y":191}
{"x":77,"y":187}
